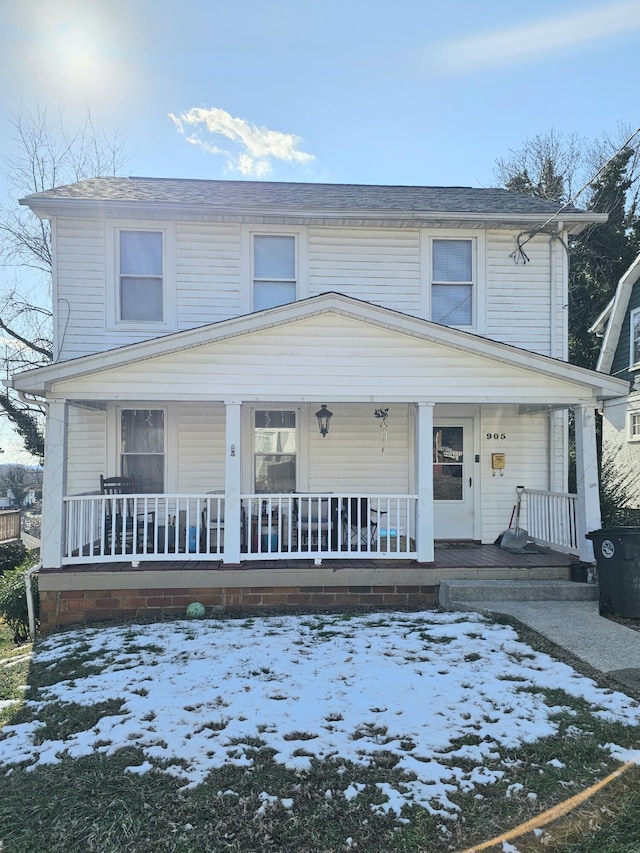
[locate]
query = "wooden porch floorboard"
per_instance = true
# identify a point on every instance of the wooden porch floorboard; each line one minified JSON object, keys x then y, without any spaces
{"x":447,"y":556}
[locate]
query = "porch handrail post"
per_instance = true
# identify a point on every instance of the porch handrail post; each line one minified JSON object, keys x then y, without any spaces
{"x":588,"y":496}
{"x":232,"y":484}
{"x":424,"y":470}
{"x":54,"y":485}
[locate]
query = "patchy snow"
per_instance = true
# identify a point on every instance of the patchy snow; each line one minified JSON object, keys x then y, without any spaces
{"x":435,"y":690}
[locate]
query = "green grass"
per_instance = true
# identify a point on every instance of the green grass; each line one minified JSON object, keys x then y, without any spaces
{"x":92,"y":803}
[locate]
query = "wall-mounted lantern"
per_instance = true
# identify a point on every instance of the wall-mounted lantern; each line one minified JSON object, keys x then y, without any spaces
{"x":324,"y":416}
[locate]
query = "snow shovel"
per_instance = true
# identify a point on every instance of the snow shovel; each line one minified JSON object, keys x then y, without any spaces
{"x":516,"y":539}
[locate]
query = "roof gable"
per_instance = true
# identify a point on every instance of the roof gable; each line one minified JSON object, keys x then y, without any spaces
{"x":615,"y":314}
{"x":286,"y":318}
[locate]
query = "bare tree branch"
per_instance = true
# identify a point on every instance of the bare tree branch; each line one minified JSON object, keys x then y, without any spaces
{"x":47,"y":153}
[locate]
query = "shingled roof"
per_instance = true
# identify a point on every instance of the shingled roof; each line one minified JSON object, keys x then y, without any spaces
{"x":256,"y":195}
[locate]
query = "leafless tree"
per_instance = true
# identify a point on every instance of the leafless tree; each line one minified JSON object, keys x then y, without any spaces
{"x":46,"y":153}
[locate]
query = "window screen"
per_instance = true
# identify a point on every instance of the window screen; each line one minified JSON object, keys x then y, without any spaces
{"x":452,"y":282}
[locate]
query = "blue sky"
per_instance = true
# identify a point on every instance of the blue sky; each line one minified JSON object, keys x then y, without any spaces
{"x":348,"y":91}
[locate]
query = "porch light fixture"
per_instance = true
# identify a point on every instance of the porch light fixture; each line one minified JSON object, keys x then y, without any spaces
{"x":324,"y":416}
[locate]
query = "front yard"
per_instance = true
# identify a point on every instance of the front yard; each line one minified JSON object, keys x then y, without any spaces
{"x":379,"y":732}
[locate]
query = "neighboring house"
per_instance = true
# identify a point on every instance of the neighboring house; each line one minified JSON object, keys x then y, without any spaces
{"x":205,"y":331}
{"x":28,"y":500}
{"x":619,"y":326}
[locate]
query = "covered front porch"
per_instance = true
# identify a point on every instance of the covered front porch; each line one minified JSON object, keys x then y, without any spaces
{"x":433,"y":431}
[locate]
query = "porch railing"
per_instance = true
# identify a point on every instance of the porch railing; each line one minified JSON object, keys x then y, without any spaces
{"x":551,"y":520}
{"x":101,"y":528}
{"x":9,"y":525}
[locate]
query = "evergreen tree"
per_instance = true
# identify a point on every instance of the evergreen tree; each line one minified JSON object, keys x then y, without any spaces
{"x":600,"y":255}
{"x":548,"y":167}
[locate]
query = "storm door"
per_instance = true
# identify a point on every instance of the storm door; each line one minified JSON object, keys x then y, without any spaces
{"x":453,"y":479}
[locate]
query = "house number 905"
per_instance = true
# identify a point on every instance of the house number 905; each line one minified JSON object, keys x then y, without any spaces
{"x":496,"y":435}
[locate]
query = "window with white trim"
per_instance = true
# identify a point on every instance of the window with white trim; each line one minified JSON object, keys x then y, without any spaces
{"x":274,"y":451}
{"x":142,"y":448}
{"x":452,"y":281}
{"x":274,"y":270}
{"x":634,"y":426}
{"x":634,"y":343}
{"x":140,"y":276}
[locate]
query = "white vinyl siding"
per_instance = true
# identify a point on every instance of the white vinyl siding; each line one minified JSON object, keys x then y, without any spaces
{"x":520,"y":306}
{"x":79,"y":287}
{"x":525,"y":445}
{"x":200,"y":448}
{"x":363,"y":360}
{"x":209,"y":278}
{"x":379,"y":265}
{"x":87,"y":438}
{"x":354,"y":460}
{"x":207,"y":273}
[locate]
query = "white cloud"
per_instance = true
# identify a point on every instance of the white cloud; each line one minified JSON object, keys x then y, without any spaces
{"x":537,"y":40}
{"x":249,"y":149}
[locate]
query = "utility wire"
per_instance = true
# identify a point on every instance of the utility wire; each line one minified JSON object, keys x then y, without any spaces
{"x":519,"y":251}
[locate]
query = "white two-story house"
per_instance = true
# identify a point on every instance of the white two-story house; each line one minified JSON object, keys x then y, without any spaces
{"x":303,"y":388}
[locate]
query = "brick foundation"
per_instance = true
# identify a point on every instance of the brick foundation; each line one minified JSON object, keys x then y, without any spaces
{"x":69,"y":607}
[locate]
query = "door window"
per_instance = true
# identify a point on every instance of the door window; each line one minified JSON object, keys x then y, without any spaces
{"x":448,"y":461}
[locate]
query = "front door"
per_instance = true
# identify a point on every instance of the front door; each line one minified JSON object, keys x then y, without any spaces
{"x":453,"y":478}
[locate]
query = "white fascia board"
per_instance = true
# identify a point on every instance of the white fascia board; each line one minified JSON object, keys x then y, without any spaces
{"x":40,"y":380}
{"x":49,"y":208}
{"x":617,"y":314}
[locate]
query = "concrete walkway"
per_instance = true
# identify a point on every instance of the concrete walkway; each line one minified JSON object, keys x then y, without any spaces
{"x":574,"y":625}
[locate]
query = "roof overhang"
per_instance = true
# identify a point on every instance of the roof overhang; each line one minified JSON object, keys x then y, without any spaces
{"x":49,"y":208}
{"x":41,"y":381}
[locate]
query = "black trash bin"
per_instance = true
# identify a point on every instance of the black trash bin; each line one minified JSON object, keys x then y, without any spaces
{"x":617,"y":552}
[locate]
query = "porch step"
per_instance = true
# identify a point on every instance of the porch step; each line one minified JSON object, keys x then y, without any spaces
{"x":465,"y":594}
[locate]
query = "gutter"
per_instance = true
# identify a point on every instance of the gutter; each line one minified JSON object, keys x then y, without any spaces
{"x":30,"y":605}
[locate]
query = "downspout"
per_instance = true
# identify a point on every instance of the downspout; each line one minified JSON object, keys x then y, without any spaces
{"x":31,"y":610}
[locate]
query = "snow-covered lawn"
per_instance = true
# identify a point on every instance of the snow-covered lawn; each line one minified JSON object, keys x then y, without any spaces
{"x":443,"y":693}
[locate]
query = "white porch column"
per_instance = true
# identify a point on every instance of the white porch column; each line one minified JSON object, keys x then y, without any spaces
{"x":588,"y":500}
{"x":232,"y":483}
{"x":424,"y":482}
{"x":54,"y":485}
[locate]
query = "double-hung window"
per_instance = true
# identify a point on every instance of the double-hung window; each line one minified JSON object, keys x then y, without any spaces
{"x":141,"y":277}
{"x":634,"y":343}
{"x":275,"y":273}
{"x":634,"y":426}
{"x":274,"y":449}
{"x":452,"y":282}
{"x":142,"y":448}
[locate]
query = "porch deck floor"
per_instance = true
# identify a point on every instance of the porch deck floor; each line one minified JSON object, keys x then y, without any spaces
{"x":448,"y":555}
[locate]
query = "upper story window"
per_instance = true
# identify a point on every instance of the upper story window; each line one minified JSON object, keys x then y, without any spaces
{"x":141,"y":277}
{"x":274,"y":270}
{"x":634,"y":343}
{"x":634,"y":426}
{"x":452,"y":282}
